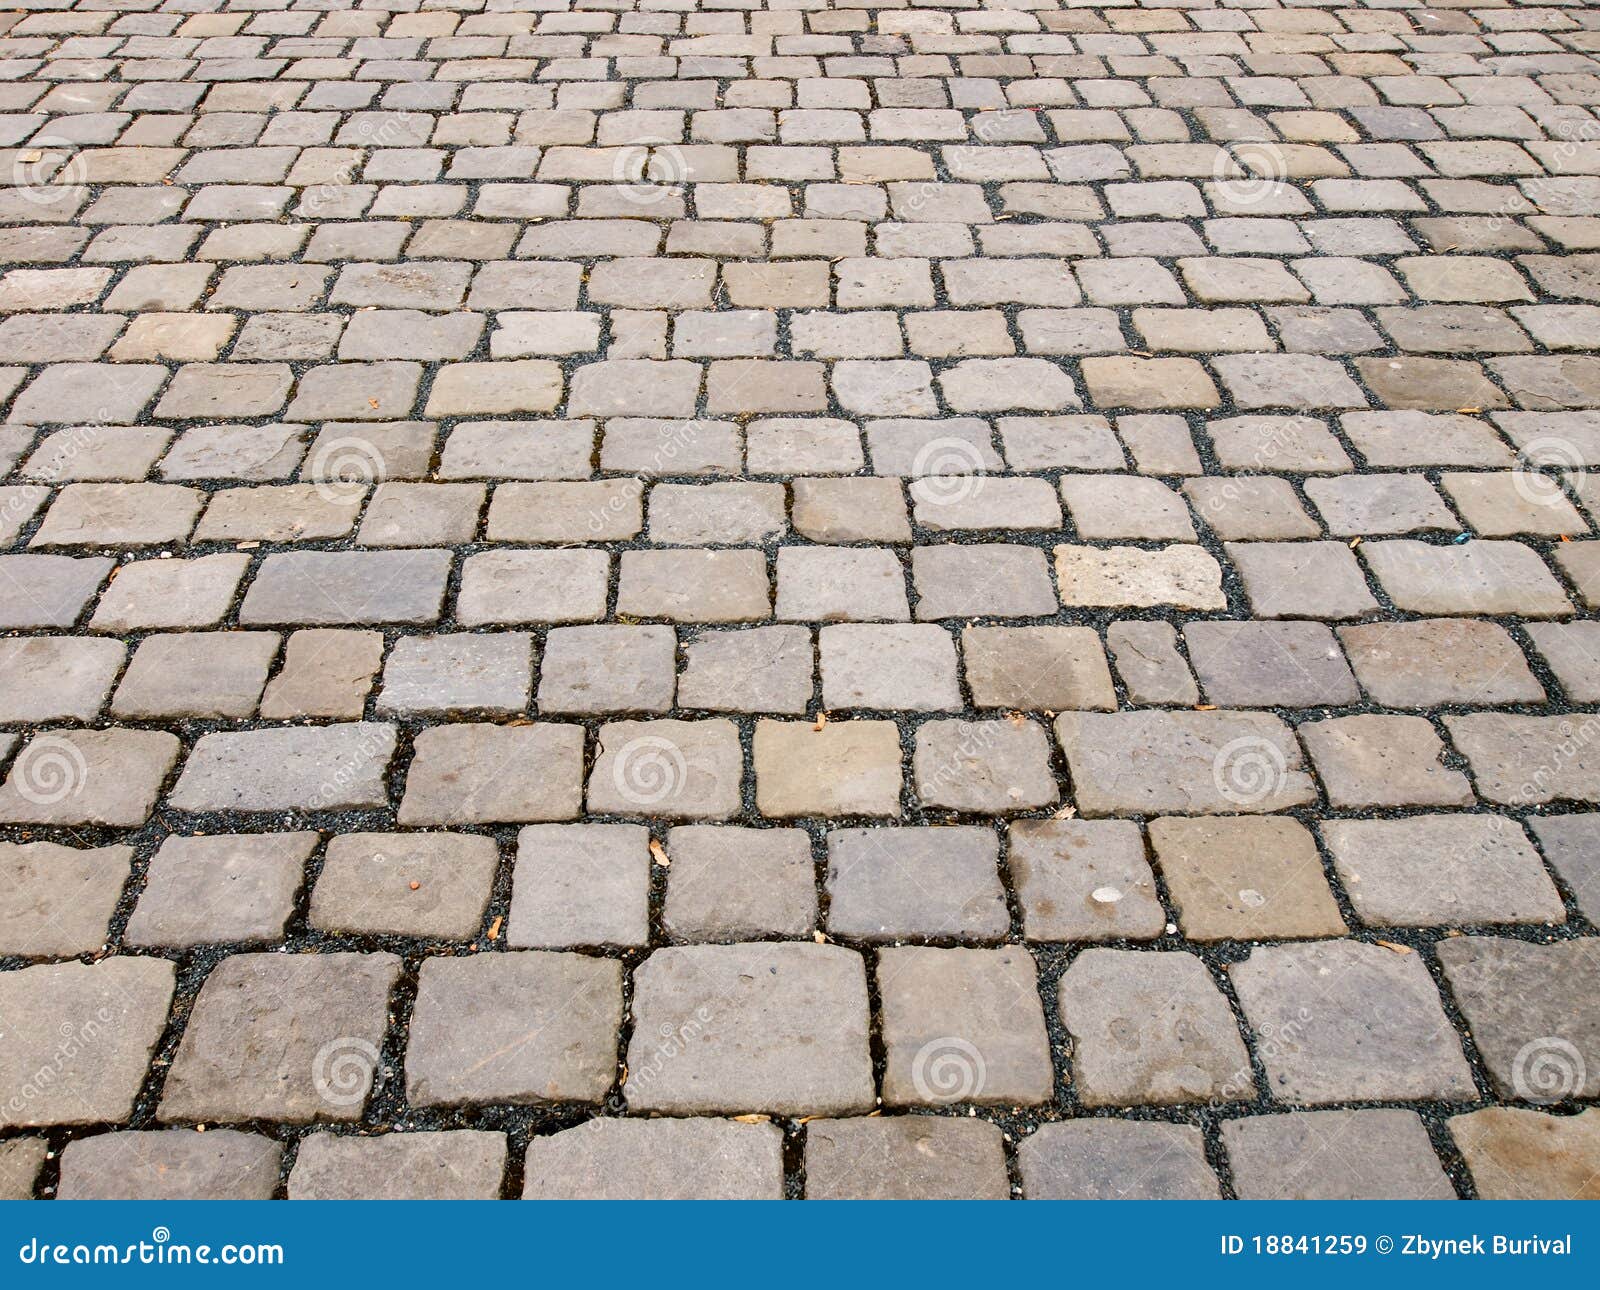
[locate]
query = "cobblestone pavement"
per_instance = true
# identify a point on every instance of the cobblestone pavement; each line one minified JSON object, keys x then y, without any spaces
{"x":637,"y":597}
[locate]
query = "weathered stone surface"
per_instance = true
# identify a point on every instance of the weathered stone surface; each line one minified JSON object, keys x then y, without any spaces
{"x":1347,"y":1022}
{"x":525,"y":1028}
{"x":170,"y":1164}
{"x":1104,"y":1159}
{"x":290,"y":1037}
{"x":1525,"y":761}
{"x":69,"y":777}
{"x":1533,"y":1018}
{"x":1515,"y":1154}
{"x":989,"y":767}
{"x":580,"y":885}
{"x":435,"y":886}
{"x":1185,"y":577}
{"x":678,"y":769}
{"x":317,"y":769}
{"x":1083,"y":880}
{"x":57,"y":901}
{"x":1138,"y":763}
{"x":223,"y":888}
{"x":93,"y":1027}
{"x":779,"y":1029}
{"x":905,"y":1157}
{"x":1374,"y":1154}
{"x":962,"y":1025}
{"x":887,"y":883}
{"x":1150,"y":1027}
{"x":727,"y":883}
{"x":843,"y":768}
{"x":480,"y":774}
{"x":623,"y":1159}
{"x":462,"y":1164}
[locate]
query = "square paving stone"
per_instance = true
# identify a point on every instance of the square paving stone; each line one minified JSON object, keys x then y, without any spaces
{"x":41,"y":591}
{"x":1439,"y":661}
{"x":1377,"y":1154}
{"x":462,"y":1164}
{"x":1531,"y":1013}
{"x":776,"y":1029}
{"x":1339,"y":1021}
{"x":1572,"y":652}
{"x":1151,"y":1027}
{"x":56,"y":678}
{"x":1302,"y":579}
{"x":196,"y":674}
{"x":607,"y":668}
{"x":483,"y":774}
{"x":990,"y":767}
{"x":1147,"y":763}
{"x":526,"y":1028}
{"x":1515,"y":1154}
{"x":318,"y":768}
{"x":580,"y":885}
{"x":611,"y":1158}
{"x":963,"y":1026}
{"x":754,"y":669}
{"x":69,"y":777}
{"x":291,"y":1037}
{"x":434,"y":886}
{"x":150,"y":594}
{"x":459,"y":672}
{"x":1245,"y":879}
{"x":887,"y":883}
{"x":836,"y":768}
{"x":1105,"y":1159}
{"x":1383,"y":761}
{"x":1442,"y":869}
{"x":335,"y":588}
{"x":200,"y":890}
{"x":93,"y":1027}
{"x":1525,"y":761}
{"x":1083,"y":880}
{"x":1262,"y":665}
{"x":893,"y":665}
{"x":57,"y":901}
{"x":1572,"y":845}
{"x":690,"y":770}
{"x":1037,"y":668}
{"x":170,"y":1164}
{"x":727,"y":883}
{"x":905,"y":1157}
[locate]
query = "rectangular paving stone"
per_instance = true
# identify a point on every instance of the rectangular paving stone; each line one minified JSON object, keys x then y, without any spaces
{"x":170,"y":1164}
{"x":460,"y":1164}
{"x":728,"y":883}
{"x":433,"y":886}
{"x":113,"y":1011}
{"x":613,"y":1158}
{"x":290,"y":1037}
{"x":325,"y":768}
{"x":777,"y":1029}
{"x":57,"y":901}
{"x":487,"y":774}
{"x":526,"y":1028}
{"x":223,"y":888}
{"x":71,"y":777}
{"x":338,"y":588}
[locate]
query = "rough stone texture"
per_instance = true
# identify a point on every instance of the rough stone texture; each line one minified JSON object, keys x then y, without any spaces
{"x":843,"y":768}
{"x":226,"y":888}
{"x":1105,"y":1159}
{"x":330,"y":768}
{"x":1348,"y":1022}
{"x":727,"y":883}
{"x":962,"y":1026}
{"x":282,"y":1037}
{"x":56,"y":901}
{"x":1150,"y":1027}
{"x":617,"y":1159}
{"x":1517,"y":1154}
{"x":1532,"y":1015}
{"x":1083,"y":880}
{"x":94,"y":1027}
{"x":1334,"y":1155}
{"x":887,"y":883}
{"x":580,"y":884}
{"x":463,"y":1164}
{"x":480,"y":774}
{"x":430,"y":885}
{"x":524,"y":1028}
{"x":777,"y":1029}
{"x":911,"y":1157}
{"x":170,"y":1164}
